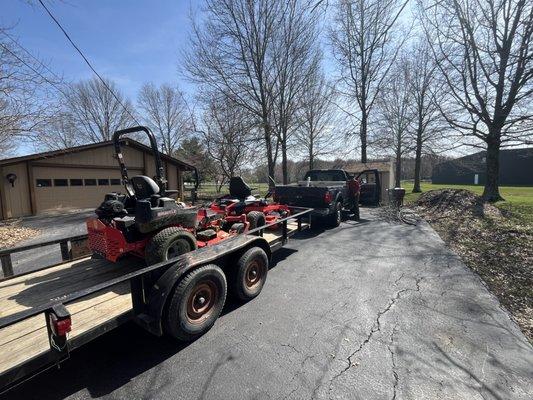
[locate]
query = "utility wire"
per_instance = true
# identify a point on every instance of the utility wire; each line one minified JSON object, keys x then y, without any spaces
{"x":54,"y":84}
{"x":3,"y":32}
{"x":87,"y":61}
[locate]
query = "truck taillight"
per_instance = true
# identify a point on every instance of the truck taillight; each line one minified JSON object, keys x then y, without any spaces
{"x":60,"y":327}
{"x":327,"y":198}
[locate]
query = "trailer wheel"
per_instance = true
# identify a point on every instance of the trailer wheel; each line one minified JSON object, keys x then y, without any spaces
{"x":196,"y":303}
{"x":336,"y":218}
{"x":256,"y":219}
{"x":250,"y":274}
{"x":169,"y":243}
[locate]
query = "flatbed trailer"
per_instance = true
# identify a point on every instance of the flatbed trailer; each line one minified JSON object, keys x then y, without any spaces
{"x":97,"y":296}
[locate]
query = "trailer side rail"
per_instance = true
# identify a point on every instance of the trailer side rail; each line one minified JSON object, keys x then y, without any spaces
{"x":55,"y":307}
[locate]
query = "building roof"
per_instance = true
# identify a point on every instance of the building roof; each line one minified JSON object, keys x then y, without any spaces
{"x":128,"y":142}
{"x":381,"y":166}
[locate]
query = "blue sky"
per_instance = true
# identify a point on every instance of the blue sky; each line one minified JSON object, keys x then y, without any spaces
{"x":130,"y":42}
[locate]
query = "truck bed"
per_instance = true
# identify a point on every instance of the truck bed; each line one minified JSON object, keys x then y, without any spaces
{"x":28,"y":338}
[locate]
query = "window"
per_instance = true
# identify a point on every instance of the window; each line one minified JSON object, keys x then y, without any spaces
{"x":76,"y":182}
{"x":90,"y":182}
{"x":60,"y":182}
{"x":44,"y":182}
{"x":103,"y":182}
{"x":329,"y":175}
{"x":115,"y":181}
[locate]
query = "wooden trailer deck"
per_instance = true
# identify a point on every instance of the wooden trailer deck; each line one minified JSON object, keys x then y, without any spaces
{"x":28,"y":338}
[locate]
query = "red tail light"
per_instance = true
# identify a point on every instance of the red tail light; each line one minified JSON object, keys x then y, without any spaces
{"x":60,"y":327}
{"x":328,"y":198}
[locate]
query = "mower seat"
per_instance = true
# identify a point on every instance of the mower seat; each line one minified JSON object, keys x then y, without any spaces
{"x":144,"y":187}
{"x":238,"y":188}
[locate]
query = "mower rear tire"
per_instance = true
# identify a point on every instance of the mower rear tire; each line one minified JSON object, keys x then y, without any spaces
{"x":169,"y":243}
{"x":250,"y":274}
{"x":196,"y":303}
{"x":256,"y":219}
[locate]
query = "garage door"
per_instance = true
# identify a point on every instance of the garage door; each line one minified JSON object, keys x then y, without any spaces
{"x":74,"y":188}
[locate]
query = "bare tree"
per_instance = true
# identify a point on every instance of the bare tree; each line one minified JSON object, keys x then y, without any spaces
{"x":315,"y":135}
{"x":95,"y":111}
{"x":26,"y":93}
{"x":58,"y":133}
{"x":167,"y":113}
{"x":426,"y":89}
{"x":396,"y":116}
{"x":232,"y":53}
{"x":365,"y":43}
{"x":484,"y":50}
{"x":298,"y":56}
{"x":227,"y":137}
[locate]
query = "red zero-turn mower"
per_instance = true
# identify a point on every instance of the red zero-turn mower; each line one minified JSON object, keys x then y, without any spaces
{"x":240,"y":202}
{"x":147,"y":222}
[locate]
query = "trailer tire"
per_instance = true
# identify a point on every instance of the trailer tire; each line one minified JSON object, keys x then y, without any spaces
{"x":256,"y":219}
{"x":336,"y":218}
{"x":169,"y":243}
{"x":250,"y":274}
{"x":196,"y":303}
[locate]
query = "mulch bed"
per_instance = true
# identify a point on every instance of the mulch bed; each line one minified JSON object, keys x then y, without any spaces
{"x":497,"y":245}
{"x":12,"y":233}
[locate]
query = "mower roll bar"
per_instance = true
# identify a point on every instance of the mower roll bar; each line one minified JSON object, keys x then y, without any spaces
{"x":160,"y":180}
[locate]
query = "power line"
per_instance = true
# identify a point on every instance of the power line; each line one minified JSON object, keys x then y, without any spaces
{"x":30,"y":54}
{"x":54,"y":84}
{"x":87,"y":61}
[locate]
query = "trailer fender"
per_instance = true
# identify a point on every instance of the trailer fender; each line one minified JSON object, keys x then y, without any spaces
{"x":219,"y":254}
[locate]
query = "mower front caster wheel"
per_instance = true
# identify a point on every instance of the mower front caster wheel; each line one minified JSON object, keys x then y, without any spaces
{"x":250,"y":274}
{"x":256,"y":219}
{"x":196,"y":303}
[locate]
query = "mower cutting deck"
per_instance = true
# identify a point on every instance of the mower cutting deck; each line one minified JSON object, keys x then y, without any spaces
{"x":240,"y":201}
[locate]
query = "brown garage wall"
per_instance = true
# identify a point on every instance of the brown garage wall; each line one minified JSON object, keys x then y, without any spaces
{"x":103,"y":156}
{"x":26,"y":198}
{"x":73,"y":197}
{"x":17,"y":198}
{"x":172,"y":176}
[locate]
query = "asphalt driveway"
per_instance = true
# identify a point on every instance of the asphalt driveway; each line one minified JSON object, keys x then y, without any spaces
{"x":368,"y":310}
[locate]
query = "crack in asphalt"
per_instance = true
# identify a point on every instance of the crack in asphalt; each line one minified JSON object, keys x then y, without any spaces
{"x":393,"y":359}
{"x":376,"y":327}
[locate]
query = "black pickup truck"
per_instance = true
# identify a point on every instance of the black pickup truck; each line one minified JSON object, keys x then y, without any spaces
{"x":331,"y":192}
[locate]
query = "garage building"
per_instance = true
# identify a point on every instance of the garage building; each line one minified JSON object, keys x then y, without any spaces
{"x":76,"y":178}
{"x":516,"y":169}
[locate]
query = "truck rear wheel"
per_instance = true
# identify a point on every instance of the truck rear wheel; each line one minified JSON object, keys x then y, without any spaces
{"x":196,"y":303}
{"x":169,"y":243}
{"x":250,"y":274}
{"x":336,"y":218}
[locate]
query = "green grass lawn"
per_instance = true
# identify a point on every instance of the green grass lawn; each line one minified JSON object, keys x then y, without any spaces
{"x":518,"y":199}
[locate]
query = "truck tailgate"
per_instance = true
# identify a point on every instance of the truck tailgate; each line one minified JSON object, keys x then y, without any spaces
{"x":302,"y":196}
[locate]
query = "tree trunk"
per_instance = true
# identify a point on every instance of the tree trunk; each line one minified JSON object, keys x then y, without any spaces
{"x":284,"y":168}
{"x":362,"y":135}
{"x":268,"y":143}
{"x":398,"y":173}
{"x":491,"y":193}
{"x":311,"y":151}
{"x":418,"y":160}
